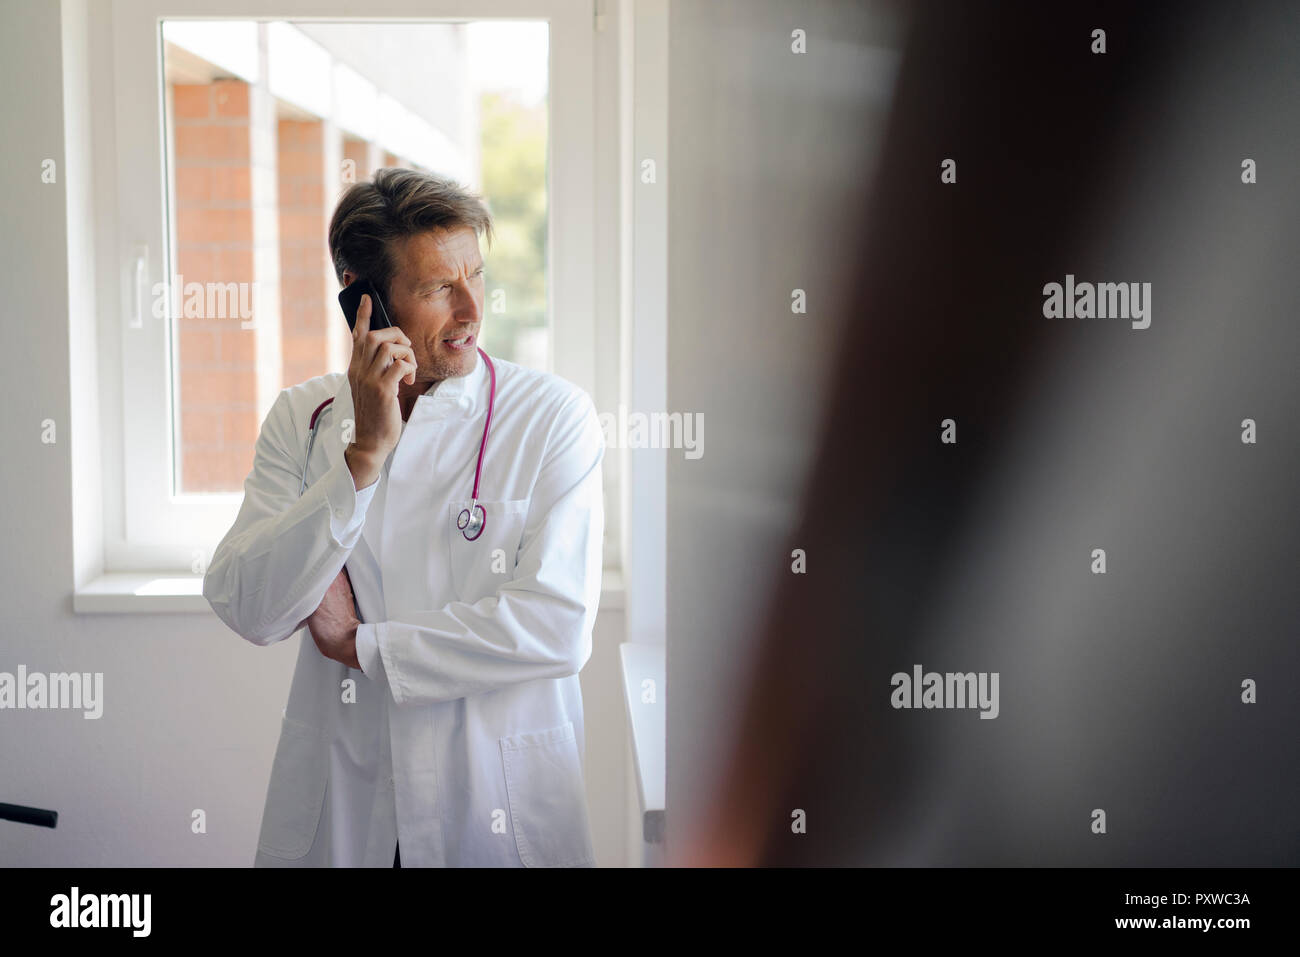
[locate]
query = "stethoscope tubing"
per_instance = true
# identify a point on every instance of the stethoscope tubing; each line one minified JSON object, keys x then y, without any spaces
{"x":466,"y":520}
{"x":311,"y":441}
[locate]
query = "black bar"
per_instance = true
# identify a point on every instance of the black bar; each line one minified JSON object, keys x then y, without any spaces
{"x":29,"y":815}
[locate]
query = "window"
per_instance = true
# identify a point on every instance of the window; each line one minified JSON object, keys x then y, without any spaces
{"x":256,"y":160}
{"x":234,"y":139}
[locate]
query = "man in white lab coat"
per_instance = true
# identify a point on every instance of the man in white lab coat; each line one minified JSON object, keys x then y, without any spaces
{"x":436,"y":699}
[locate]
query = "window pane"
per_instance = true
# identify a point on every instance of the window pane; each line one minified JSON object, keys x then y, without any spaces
{"x":266,"y":124}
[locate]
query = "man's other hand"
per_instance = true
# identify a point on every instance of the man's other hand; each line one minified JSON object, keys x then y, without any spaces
{"x":333,"y":625}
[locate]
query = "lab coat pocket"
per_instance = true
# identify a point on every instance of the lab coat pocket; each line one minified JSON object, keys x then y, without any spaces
{"x":481,"y":566}
{"x":548,"y":803}
{"x":299,"y":775}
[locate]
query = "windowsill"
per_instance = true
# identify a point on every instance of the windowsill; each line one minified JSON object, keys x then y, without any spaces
{"x":644,"y":663}
{"x":139,"y":593}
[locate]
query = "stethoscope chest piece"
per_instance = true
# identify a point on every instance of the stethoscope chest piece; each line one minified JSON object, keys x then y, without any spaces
{"x":471,"y":521}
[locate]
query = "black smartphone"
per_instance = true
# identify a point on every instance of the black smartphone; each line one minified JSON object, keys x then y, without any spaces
{"x":350,"y":300}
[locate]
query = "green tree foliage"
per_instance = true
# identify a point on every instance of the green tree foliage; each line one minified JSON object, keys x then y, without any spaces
{"x":513,"y":174}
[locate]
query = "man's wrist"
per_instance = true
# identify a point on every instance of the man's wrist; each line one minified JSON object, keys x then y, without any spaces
{"x":365,"y":467}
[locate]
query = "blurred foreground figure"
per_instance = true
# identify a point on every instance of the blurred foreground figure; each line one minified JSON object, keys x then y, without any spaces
{"x":1126,"y":692}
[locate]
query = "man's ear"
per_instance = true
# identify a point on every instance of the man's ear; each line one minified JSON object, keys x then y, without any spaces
{"x":348,"y":277}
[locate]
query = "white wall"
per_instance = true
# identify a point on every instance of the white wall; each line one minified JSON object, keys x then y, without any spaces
{"x":191,"y":711}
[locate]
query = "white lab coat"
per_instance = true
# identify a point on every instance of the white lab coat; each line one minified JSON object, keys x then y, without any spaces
{"x":463,"y":734}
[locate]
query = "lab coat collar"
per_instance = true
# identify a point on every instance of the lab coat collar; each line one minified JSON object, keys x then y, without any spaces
{"x":474,"y":386}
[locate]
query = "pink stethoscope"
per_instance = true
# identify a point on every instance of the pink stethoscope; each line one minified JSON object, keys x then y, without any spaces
{"x":471,"y":520}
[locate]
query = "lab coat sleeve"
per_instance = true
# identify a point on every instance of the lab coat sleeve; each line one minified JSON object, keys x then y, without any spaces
{"x":538,"y":624}
{"x":368,"y":656}
{"x":272,"y":568}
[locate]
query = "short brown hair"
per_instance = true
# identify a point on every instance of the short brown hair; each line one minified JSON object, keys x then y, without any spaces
{"x":397,"y":203}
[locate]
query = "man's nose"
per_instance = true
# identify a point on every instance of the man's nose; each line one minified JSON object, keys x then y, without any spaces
{"x":468,"y":309}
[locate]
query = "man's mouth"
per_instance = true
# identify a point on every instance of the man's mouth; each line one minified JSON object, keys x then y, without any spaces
{"x":464,"y":342}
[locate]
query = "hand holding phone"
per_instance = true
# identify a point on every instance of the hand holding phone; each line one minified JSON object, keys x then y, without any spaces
{"x":382,"y":359}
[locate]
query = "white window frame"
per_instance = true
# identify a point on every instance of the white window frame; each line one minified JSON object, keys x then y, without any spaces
{"x":145,"y":529}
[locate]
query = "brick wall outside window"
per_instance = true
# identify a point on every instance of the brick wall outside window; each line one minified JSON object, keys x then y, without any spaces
{"x":215,"y":196}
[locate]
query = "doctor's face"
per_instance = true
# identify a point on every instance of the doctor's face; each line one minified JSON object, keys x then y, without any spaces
{"x":436,"y":298}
